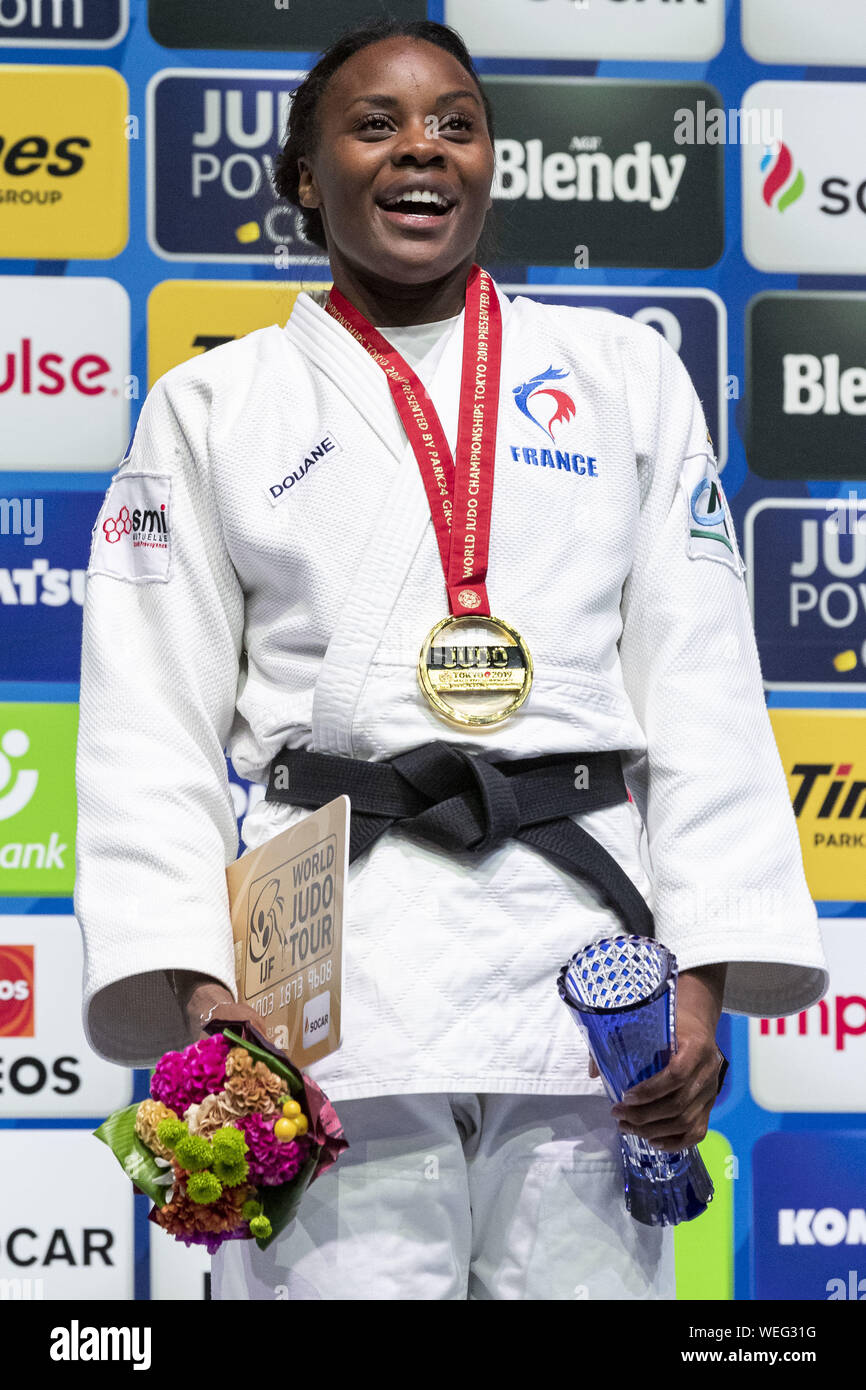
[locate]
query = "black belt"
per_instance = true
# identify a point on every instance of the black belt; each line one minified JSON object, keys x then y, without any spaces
{"x":473,"y":803}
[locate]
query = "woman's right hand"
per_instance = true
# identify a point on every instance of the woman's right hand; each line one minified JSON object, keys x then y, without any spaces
{"x":204,"y":999}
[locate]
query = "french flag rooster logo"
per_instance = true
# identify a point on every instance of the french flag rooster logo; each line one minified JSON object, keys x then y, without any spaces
{"x":528,"y":399}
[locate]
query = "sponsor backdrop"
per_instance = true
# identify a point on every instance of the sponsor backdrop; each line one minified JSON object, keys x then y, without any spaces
{"x":684,"y":162}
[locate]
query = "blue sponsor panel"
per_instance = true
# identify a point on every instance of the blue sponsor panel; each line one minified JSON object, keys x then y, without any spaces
{"x":46,"y":544}
{"x":806,"y":575}
{"x":63,"y":23}
{"x":809,"y":1216}
{"x":213,"y":136}
{"x":693,"y":322}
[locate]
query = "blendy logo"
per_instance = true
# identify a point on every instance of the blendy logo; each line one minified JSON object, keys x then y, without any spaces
{"x":213,"y":136}
{"x":63,"y":162}
{"x":616,"y":191}
{"x":17,"y":1004}
{"x":63,"y":23}
{"x":638,"y":175}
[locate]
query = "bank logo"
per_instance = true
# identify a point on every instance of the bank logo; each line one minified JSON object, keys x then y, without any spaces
{"x":640,"y":30}
{"x":816,"y":1060}
{"x":543,"y":404}
{"x":800,"y":32}
{"x":809,"y":1220}
{"x":806,"y":567}
{"x":16,"y":991}
{"x":63,"y":23}
{"x":806,"y":384}
{"x":804,"y":200}
{"x":823,"y":753}
{"x":283,"y":25}
{"x":64,"y":161}
{"x":783,"y":183}
{"x":213,"y":136}
{"x":617,"y":186}
{"x":65,"y":385}
{"x":37,"y":799}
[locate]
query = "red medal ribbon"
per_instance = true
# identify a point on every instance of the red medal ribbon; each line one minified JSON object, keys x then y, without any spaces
{"x":461,"y":494}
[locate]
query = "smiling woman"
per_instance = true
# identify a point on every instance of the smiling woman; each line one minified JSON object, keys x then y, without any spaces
{"x":512,"y":798}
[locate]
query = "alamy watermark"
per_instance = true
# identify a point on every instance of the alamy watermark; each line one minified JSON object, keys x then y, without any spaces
{"x":711,"y":125}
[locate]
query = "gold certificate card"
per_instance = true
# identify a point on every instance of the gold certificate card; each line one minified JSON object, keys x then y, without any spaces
{"x":286,"y":900}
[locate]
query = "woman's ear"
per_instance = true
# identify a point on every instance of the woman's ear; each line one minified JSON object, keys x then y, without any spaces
{"x":308,"y":194}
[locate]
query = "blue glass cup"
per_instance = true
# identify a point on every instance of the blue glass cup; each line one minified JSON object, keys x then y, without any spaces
{"x":621,"y":992}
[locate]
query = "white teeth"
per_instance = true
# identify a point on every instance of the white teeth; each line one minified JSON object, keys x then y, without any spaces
{"x":419,"y":195}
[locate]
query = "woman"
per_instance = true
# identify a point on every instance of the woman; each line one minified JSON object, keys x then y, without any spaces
{"x":284,"y":608}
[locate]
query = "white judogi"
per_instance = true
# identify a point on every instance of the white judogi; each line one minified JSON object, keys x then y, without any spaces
{"x":255,"y":624}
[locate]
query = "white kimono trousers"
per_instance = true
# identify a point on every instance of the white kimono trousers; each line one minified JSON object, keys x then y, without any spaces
{"x":253,"y":623}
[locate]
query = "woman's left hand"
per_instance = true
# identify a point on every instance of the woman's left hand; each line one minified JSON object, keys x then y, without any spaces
{"x":671,"y":1110}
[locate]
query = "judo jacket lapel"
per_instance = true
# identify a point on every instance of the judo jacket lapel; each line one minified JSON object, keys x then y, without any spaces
{"x":391,"y":548}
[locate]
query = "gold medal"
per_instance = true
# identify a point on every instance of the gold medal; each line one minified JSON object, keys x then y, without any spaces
{"x":474,"y":671}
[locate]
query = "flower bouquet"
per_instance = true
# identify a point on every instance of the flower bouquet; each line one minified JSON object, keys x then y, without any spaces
{"x":229,"y":1140}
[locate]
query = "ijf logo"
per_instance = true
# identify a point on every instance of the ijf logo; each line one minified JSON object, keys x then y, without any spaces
{"x":710,"y":529}
{"x":529,"y":398}
{"x":16,"y":991}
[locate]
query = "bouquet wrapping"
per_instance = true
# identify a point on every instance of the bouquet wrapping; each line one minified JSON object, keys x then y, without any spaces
{"x":228,"y":1141}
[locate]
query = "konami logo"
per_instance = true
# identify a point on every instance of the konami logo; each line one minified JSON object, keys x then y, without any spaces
{"x":16,"y":992}
{"x":822,"y":1226}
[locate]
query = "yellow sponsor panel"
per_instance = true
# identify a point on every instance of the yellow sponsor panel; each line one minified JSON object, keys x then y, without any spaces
{"x":64,"y":163}
{"x":187,"y":317}
{"x":824,"y":755}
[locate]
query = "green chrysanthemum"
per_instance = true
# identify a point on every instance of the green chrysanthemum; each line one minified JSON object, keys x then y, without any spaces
{"x":231,"y":1172}
{"x":170,"y":1130}
{"x":193,"y":1153}
{"x":203,"y":1187}
{"x":229,"y":1144}
{"x":261,"y":1227}
{"x":250,"y":1209}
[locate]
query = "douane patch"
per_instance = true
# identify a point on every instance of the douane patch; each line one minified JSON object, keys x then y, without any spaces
{"x":132,"y":536}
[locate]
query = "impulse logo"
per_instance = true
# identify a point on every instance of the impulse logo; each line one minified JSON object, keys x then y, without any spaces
{"x":530,"y":399}
{"x":778,"y":164}
{"x":843,"y":1026}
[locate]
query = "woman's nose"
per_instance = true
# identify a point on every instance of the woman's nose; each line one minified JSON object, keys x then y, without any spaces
{"x":419,"y":140}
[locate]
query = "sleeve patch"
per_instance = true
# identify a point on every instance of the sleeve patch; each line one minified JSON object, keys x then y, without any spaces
{"x":132,"y":537}
{"x":709,"y":527}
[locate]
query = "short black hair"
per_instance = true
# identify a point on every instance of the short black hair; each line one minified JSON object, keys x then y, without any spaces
{"x":302,"y":129}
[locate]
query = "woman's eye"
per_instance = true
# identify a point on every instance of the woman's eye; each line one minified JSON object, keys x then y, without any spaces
{"x":456,"y":122}
{"x":368,"y":122}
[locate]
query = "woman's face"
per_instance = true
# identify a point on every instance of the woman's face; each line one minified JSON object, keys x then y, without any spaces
{"x":401,"y":116}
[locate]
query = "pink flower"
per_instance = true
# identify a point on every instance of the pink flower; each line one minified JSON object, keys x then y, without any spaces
{"x":185,"y":1078}
{"x":272,"y":1161}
